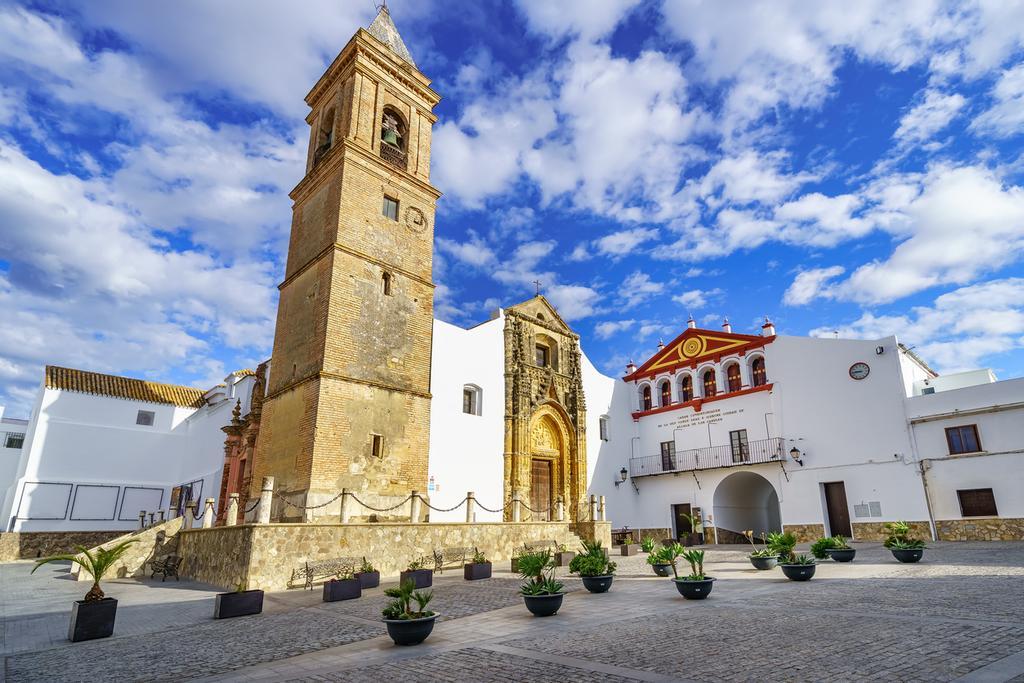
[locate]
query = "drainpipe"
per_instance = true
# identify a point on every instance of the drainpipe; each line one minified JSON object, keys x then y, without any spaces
{"x":923,"y":466}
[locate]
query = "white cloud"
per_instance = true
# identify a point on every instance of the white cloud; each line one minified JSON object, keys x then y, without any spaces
{"x":588,"y":19}
{"x":933,"y":113}
{"x":697,"y":298}
{"x":574,"y":301}
{"x":624,"y":242}
{"x":819,"y":220}
{"x":638,"y":287}
{"x":810,"y":284}
{"x":1005,"y":117}
{"x":474,"y":252}
{"x":608,"y":328}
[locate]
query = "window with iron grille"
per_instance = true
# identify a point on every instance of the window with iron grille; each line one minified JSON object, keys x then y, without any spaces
{"x":145,"y":418}
{"x":977,"y":503}
{"x":14,"y":440}
{"x":390,"y":208}
{"x":739,"y":446}
{"x":668,"y":456}
{"x":963,"y":439}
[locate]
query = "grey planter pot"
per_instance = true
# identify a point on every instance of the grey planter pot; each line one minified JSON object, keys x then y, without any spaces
{"x":628,"y":549}
{"x":421,"y":578}
{"x":694,"y":590}
{"x":597,"y":584}
{"x":342,"y":589}
{"x":908,"y":555}
{"x":410,"y":631}
{"x":763,"y":563}
{"x":475,"y":572}
{"x":368,"y":579}
{"x":543,"y":605}
{"x":562,"y":559}
{"x":91,"y":620}
{"x":798,"y":572}
{"x":239,"y":604}
{"x":662,"y":569}
{"x":842,"y":554}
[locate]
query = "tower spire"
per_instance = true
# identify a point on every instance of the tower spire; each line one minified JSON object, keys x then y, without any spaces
{"x":383,"y":29}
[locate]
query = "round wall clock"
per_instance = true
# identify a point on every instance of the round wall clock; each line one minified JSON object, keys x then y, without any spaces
{"x":860,"y":370}
{"x":415,"y":220}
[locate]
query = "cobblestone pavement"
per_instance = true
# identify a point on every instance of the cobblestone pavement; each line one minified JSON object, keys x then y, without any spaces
{"x":959,"y":613}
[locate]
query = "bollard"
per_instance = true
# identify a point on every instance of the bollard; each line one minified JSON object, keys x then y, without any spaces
{"x":414,"y":508}
{"x":345,"y":511}
{"x":266,"y":497}
{"x":560,"y":510}
{"x":515,"y":506}
{"x":593,"y":508}
{"x":187,"y":513}
{"x":601,"y":509}
{"x":161,"y":518}
{"x":470,"y":504}
{"x":172,"y":512}
{"x":232,"y":518}
{"x":208,"y":513}
{"x":142,"y":519}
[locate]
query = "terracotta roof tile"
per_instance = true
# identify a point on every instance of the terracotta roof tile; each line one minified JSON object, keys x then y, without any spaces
{"x":69,"y":379}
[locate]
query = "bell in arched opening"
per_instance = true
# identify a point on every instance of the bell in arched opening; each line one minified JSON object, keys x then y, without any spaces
{"x":391,"y":130}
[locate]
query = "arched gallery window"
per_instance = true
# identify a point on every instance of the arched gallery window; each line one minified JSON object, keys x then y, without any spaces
{"x":732,"y":374}
{"x":666,"y":393}
{"x":645,"y":397}
{"x":710,"y":387}
{"x":760,"y":377}
{"x":686,"y":388}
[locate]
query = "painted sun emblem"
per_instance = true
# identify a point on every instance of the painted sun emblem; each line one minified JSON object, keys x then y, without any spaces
{"x":692,"y":347}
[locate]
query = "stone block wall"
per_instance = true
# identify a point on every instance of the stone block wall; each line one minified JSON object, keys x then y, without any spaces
{"x":159,"y":540}
{"x":875,"y":531}
{"x":263,"y":556}
{"x":29,"y":545}
{"x":805,"y":533}
{"x":980,"y":529}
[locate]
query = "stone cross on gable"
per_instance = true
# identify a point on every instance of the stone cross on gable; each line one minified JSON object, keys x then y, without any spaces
{"x":537,"y":283}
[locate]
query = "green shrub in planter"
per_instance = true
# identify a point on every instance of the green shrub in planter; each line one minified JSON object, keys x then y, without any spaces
{"x":781,"y":544}
{"x":647,"y":544}
{"x":408,"y":626}
{"x":594,"y":567}
{"x":541,"y":592}
{"x":661,"y":561}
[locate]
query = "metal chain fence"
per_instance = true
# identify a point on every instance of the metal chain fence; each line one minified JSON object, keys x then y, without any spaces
{"x":370,"y":507}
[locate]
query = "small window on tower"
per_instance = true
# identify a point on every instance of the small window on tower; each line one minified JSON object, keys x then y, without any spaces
{"x":386,"y":283}
{"x":377,"y":445}
{"x":145,"y":418}
{"x":603,"y":427}
{"x":390,"y":208}
{"x":543,"y":356}
{"x":471,"y":403}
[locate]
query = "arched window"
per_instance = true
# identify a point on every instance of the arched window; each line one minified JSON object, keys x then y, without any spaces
{"x":759,"y":376}
{"x":546,"y":352}
{"x":666,"y":393}
{"x":710,"y":387}
{"x":472,"y":399}
{"x":732,"y":374}
{"x":686,"y":388}
{"x":386,"y":283}
{"x":325,"y":135}
{"x":392,"y":138}
{"x":645,"y":397}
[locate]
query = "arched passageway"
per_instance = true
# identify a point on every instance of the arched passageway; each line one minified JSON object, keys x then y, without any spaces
{"x":745,"y":500}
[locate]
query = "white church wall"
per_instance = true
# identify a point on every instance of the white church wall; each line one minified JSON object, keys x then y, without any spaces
{"x":467,"y":451}
{"x":599,"y":391}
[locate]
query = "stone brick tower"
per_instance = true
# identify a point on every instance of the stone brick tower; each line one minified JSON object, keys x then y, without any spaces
{"x":348,"y":395}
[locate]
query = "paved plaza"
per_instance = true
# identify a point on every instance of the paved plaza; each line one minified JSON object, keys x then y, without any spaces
{"x":959,"y":615}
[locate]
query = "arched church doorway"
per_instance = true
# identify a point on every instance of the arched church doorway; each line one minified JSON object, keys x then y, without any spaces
{"x":547,"y":454}
{"x":745,"y":500}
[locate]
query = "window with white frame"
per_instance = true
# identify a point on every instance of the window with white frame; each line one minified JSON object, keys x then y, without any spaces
{"x":145,"y":418}
{"x":603,"y":427}
{"x":472,"y":396}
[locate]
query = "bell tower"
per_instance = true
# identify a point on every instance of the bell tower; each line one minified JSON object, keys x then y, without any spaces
{"x":348,"y":395}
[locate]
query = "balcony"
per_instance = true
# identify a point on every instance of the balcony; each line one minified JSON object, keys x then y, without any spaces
{"x":713,"y":457}
{"x":393,"y":155}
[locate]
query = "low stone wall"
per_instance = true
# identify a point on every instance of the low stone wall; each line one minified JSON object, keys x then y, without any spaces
{"x":29,"y":545}
{"x":981,"y":529}
{"x":593,"y":531}
{"x":875,"y":531}
{"x":159,"y":540}
{"x":264,"y":555}
{"x":805,"y":533}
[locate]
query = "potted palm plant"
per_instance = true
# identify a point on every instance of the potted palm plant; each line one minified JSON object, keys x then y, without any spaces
{"x":798,"y":567}
{"x":541,"y":592}
{"x":408,"y":626}
{"x":697,"y":585}
{"x":420,"y":577}
{"x":92,"y":617}
{"x":478,"y":569}
{"x":345,"y":587}
{"x":594,"y":567}
{"x":368,"y":576}
{"x":764,"y":557}
{"x":238,"y":603}
{"x":647,"y":544}
{"x":660,"y":561}
{"x":835,"y":547}
{"x":901,"y":545}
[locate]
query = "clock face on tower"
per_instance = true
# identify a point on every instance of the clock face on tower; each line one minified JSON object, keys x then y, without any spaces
{"x":859,"y":370}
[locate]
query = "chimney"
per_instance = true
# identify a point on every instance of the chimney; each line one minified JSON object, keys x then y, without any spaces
{"x":630,"y":367}
{"x":768,"y":329}
{"x":691,"y":323}
{"x":661,"y":344}
{"x":726,"y":327}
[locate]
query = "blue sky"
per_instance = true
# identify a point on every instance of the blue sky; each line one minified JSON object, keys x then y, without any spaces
{"x":850,"y":168}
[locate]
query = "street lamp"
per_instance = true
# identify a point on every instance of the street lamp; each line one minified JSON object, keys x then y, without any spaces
{"x":795,"y":453}
{"x":623,"y":473}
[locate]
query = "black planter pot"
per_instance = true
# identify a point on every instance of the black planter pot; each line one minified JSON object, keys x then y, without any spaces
{"x":597,"y":584}
{"x":842,"y":554}
{"x":410,"y":631}
{"x":908,"y":555}
{"x":543,"y":605}
{"x":477,"y":571}
{"x":368,"y":579}
{"x":562,"y":559}
{"x":90,"y":620}
{"x":238,"y":604}
{"x":421,"y":578}
{"x":628,"y":549}
{"x":798,"y":572}
{"x":694,"y":590}
{"x":763,"y":563}
{"x":662,"y":569}
{"x":342,"y":589}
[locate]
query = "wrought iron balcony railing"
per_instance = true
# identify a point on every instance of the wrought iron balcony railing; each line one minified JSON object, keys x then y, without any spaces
{"x":393,"y":155}
{"x":713,"y":457}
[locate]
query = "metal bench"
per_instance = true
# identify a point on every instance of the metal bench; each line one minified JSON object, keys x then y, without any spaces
{"x":450,"y":557}
{"x":315,"y":570}
{"x":165,"y":566}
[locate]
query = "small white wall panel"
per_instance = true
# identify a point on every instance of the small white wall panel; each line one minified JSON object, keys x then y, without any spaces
{"x":137,"y":499}
{"x":45,"y":500}
{"x":93,"y":502}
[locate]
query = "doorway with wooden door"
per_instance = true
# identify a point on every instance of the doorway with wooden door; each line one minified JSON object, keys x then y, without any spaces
{"x":836,"y":509}
{"x":540,"y":489}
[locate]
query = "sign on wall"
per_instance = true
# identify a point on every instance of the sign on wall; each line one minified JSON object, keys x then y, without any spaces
{"x":704,"y":417}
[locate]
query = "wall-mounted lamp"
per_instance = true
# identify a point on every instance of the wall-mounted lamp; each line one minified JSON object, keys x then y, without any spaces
{"x":795,"y":453}
{"x":879,"y":350}
{"x":623,"y":473}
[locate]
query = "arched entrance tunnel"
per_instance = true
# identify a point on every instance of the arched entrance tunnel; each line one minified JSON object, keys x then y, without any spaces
{"x":745,"y":500}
